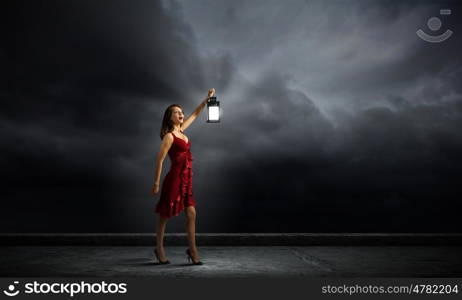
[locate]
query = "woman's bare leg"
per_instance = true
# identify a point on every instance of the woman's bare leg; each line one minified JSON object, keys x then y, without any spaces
{"x":191,"y":231}
{"x":160,"y":232}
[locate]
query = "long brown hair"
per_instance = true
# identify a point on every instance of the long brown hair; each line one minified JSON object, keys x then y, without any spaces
{"x":167,"y":124}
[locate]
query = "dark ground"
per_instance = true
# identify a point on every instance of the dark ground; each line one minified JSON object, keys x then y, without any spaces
{"x":234,"y":261}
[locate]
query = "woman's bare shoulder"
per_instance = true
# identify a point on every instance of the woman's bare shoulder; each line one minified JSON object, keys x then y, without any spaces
{"x":168,"y":137}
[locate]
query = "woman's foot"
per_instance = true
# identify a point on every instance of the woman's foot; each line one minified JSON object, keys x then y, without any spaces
{"x":160,"y":255}
{"x":194,"y":256}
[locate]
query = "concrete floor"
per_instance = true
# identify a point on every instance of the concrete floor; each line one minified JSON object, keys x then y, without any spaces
{"x":230,"y":261}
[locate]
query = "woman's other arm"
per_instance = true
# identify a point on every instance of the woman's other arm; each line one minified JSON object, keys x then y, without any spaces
{"x":197,"y":111}
{"x":167,"y":142}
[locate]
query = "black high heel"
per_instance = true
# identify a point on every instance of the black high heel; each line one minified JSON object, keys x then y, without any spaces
{"x":158,"y":259}
{"x":190,"y":258}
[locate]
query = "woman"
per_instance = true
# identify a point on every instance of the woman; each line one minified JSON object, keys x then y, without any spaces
{"x":176,"y":194}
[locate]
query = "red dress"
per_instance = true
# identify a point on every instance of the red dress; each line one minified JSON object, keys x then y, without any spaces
{"x":176,"y":192}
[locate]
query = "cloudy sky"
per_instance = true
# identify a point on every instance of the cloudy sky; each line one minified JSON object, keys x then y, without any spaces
{"x":336,"y":116}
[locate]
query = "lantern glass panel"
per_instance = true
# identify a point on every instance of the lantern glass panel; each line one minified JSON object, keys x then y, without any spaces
{"x":214,"y":113}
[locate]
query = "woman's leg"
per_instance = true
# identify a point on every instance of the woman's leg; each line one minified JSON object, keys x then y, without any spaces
{"x":160,"y":231}
{"x":191,"y":231}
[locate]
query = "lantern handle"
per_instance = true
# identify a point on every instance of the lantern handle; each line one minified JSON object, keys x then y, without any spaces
{"x":209,"y":99}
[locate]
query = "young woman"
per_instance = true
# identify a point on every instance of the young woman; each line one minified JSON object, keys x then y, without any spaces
{"x":176,"y":194}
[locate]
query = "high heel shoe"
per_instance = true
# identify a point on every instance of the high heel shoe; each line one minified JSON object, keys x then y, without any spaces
{"x":158,"y":259}
{"x":190,"y":258}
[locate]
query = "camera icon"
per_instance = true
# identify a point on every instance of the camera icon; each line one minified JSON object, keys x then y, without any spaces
{"x":10,"y":292}
{"x":434,"y":24}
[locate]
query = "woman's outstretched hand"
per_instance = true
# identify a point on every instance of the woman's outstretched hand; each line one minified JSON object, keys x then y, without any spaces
{"x":211,"y":93}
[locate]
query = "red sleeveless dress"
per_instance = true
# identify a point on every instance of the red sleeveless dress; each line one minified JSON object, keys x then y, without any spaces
{"x":176,"y":192}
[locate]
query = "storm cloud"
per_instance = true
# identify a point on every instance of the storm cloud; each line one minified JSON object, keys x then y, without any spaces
{"x":335,"y":115}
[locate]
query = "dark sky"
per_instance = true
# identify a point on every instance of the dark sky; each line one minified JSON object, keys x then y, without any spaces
{"x":336,"y":116}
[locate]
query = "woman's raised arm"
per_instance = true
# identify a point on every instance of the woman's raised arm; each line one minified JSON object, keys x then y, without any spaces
{"x":197,"y":111}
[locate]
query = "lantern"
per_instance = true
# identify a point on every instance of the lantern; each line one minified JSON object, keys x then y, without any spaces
{"x":213,"y":110}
